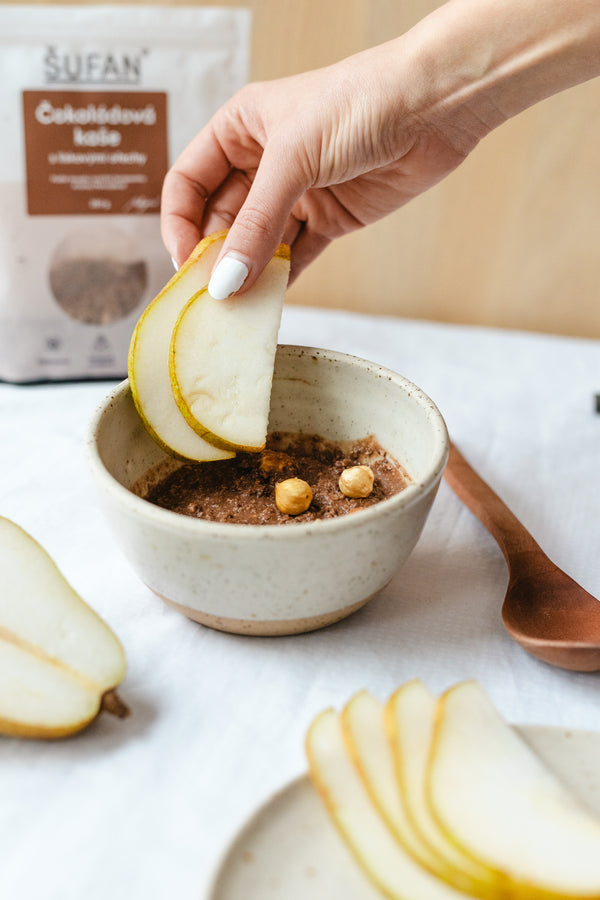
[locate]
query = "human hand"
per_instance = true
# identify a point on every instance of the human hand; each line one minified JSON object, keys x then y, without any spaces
{"x":312,"y":157}
{"x":303,"y":160}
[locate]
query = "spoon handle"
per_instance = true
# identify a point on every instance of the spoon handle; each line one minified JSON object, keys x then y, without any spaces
{"x":512,"y":537}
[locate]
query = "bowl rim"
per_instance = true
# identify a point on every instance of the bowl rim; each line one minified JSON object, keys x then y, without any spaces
{"x":188,"y":525}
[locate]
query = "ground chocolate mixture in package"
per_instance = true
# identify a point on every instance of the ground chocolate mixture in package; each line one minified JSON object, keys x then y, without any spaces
{"x":96,"y":102}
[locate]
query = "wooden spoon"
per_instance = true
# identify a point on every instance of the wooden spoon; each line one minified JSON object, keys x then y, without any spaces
{"x":544,"y":610}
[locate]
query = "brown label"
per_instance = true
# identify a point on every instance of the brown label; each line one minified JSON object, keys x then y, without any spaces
{"x":94,"y":151}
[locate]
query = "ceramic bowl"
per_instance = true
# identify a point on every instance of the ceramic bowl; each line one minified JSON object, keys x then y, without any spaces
{"x":273,"y":579}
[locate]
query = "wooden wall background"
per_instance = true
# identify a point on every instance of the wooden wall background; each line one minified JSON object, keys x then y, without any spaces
{"x":510,"y":239}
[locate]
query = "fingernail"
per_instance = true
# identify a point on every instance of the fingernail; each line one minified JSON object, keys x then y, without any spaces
{"x":175,"y":266}
{"x":227,"y":278}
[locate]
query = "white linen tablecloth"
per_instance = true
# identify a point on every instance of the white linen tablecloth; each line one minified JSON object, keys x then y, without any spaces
{"x":141,"y":809}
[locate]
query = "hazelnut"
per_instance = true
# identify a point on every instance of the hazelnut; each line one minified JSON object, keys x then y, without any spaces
{"x":357,"y":481}
{"x":293,"y":496}
{"x":274,"y":461}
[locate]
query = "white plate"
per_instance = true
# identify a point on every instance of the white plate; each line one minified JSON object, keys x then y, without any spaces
{"x":289,"y":850}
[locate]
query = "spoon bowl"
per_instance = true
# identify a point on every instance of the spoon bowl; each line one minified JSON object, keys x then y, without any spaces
{"x":544,"y":609}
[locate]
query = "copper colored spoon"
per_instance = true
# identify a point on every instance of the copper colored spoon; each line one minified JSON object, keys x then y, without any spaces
{"x":544,"y":610}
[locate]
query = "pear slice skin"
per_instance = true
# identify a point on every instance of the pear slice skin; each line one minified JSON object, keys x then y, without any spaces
{"x":382,"y":858}
{"x":521,"y":819}
{"x":59,"y":661}
{"x":148,"y":358}
{"x":222,"y":356}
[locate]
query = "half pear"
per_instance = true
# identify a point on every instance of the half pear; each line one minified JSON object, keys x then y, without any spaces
{"x":59,"y":661}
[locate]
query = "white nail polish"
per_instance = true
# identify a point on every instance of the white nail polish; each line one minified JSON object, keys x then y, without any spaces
{"x":227,"y":278}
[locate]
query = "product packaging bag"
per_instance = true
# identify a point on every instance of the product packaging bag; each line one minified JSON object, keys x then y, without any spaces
{"x":96,"y":102}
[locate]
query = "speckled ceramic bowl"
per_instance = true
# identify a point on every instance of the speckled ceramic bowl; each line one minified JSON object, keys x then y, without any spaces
{"x":272,"y":580}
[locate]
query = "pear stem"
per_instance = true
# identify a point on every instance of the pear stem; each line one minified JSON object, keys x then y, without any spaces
{"x":112,"y":703}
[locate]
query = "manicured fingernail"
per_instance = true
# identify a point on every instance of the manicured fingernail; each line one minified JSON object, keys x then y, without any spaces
{"x":175,"y":266}
{"x":227,"y":278}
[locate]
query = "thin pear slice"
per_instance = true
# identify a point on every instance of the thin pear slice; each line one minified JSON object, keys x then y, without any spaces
{"x":410,"y":716}
{"x":222,"y":357}
{"x":376,"y":757}
{"x":390,"y":868}
{"x":148,"y":361}
{"x":495,"y":798}
{"x":59,"y":661}
{"x":371,"y":752}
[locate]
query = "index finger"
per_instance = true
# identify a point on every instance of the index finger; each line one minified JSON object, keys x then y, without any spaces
{"x":196,"y":174}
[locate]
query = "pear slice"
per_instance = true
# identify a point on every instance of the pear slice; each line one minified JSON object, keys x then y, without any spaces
{"x":365,"y":734}
{"x":376,"y":755}
{"x":222,"y":356}
{"x":410,"y":716}
{"x":382,"y":858}
{"x":495,"y":798}
{"x":59,"y":662}
{"x":148,"y":361}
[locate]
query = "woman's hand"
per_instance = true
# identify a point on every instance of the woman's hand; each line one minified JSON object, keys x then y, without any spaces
{"x":304,"y":160}
{"x":312,"y":157}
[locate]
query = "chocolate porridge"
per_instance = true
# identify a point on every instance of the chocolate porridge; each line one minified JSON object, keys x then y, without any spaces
{"x":242,"y":489}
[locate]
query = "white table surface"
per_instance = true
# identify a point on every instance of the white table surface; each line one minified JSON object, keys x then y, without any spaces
{"x":142,"y":808}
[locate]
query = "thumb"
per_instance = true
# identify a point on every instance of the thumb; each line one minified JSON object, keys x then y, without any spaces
{"x":259,"y":226}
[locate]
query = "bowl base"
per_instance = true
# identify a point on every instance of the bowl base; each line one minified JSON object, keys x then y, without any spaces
{"x":264,"y":627}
